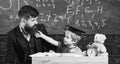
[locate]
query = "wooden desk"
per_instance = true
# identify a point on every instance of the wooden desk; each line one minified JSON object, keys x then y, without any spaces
{"x":39,"y":59}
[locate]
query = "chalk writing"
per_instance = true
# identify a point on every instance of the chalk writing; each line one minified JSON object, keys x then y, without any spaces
{"x":6,"y":8}
{"x":77,"y":22}
{"x":100,"y":9}
{"x":49,"y":16}
{"x":18,"y":1}
{"x":77,"y":9}
{"x":82,"y":3}
{"x":61,"y":17}
{"x":55,"y":18}
{"x":11,"y":4}
{"x":42,"y":17}
{"x":11,"y":17}
{"x":84,"y":13}
{"x":103,"y":22}
{"x":25,"y":2}
{"x":45,"y":3}
{"x":70,"y":9}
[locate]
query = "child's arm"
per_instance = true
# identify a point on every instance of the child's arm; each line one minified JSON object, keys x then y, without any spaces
{"x":91,"y":45}
{"x":47,"y":38}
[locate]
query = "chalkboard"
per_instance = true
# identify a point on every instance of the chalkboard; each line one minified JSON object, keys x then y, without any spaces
{"x":91,"y":16}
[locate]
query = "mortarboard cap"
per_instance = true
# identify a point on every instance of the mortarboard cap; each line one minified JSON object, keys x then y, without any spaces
{"x":74,"y":30}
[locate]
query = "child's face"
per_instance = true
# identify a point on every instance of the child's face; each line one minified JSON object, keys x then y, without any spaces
{"x":67,"y":39}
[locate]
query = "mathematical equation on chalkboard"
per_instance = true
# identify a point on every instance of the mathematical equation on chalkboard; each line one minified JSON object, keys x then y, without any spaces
{"x":83,"y":13}
{"x":87,"y":13}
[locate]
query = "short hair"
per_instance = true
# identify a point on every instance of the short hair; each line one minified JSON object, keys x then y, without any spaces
{"x":27,"y":11}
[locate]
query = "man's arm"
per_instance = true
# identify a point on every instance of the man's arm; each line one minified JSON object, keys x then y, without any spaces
{"x":10,"y":54}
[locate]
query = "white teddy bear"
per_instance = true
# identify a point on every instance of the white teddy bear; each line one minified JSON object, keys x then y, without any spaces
{"x":97,"y":48}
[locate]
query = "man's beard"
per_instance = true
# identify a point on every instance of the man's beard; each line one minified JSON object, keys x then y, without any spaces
{"x":31,"y":30}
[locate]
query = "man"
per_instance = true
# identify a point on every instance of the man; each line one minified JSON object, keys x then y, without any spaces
{"x":21,"y":41}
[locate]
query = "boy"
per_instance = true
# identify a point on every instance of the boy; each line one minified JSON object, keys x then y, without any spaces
{"x":70,"y":40}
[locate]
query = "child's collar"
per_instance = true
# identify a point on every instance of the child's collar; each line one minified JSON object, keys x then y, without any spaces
{"x":72,"y":47}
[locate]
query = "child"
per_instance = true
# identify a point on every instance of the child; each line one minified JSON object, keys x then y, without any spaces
{"x":98,"y":44}
{"x":69,"y":42}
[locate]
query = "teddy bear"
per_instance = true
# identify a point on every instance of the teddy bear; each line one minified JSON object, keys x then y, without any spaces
{"x":97,"y":48}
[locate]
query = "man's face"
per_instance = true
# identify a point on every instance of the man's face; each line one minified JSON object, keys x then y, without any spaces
{"x":67,"y":39}
{"x":30,"y":24}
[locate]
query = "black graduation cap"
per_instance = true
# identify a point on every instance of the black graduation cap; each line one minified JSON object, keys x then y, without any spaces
{"x":74,"y":30}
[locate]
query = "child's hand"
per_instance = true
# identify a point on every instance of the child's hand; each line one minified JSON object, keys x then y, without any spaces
{"x":39,"y":34}
{"x":89,"y":46}
{"x":92,"y":46}
{"x":51,"y":51}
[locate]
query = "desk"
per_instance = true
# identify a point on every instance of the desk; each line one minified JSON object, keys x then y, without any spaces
{"x":67,"y":59}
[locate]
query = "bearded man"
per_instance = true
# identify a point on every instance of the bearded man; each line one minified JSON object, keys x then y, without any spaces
{"x":21,"y":41}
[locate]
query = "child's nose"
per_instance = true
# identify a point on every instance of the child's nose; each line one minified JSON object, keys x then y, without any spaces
{"x":36,"y":22}
{"x":64,"y":38}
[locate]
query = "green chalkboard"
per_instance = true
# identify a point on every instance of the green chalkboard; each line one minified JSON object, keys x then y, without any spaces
{"x":91,"y":16}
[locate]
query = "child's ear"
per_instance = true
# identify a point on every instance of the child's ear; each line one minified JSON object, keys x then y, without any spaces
{"x":73,"y":42}
{"x":79,"y":38}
